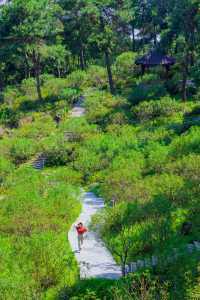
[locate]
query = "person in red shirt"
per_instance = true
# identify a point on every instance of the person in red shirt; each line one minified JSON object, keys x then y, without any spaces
{"x":80,"y":231}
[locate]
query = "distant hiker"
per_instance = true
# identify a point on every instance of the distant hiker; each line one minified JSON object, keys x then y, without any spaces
{"x":80,"y":231}
{"x":57,"y":119}
{"x":186,"y":228}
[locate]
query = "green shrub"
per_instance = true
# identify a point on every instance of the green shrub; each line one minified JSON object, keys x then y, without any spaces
{"x":57,"y":150}
{"x":78,"y":129}
{"x":42,"y":125}
{"x":99,"y":105}
{"x":6,"y":167}
{"x":9,"y":95}
{"x":69,"y":94}
{"x":46,"y":77}
{"x":123,"y":173}
{"x":36,"y":260}
{"x":53,"y":87}
{"x":28,"y":88}
{"x":8,"y":117}
{"x":125,"y":64}
{"x":157,"y":156}
{"x":147,"y":91}
{"x":154,"y":109}
{"x":186,"y":143}
{"x":64,"y":174}
{"x":96,"y":77}
{"x":22,"y":149}
{"x":76,"y":79}
{"x":125,"y":70}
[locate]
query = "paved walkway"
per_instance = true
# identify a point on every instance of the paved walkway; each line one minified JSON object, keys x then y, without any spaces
{"x":78,"y":109}
{"x":94,"y":259}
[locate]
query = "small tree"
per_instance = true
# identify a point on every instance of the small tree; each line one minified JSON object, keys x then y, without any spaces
{"x":122,"y":246}
{"x":26,"y":27}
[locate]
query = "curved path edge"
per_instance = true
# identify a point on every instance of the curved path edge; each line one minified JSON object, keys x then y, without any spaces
{"x":95,"y":261}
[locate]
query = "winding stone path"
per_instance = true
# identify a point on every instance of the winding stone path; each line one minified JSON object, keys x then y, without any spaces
{"x":94,"y":259}
{"x":78,"y":109}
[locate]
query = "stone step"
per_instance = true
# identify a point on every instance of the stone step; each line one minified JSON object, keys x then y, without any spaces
{"x":176,"y":252}
{"x":190,"y":248}
{"x":147,"y":263}
{"x":38,"y":163}
{"x":197,"y":245}
{"x":133,"y":267}
{"x":127,"y":269}
{"x":140,"y":264}
{"x":154,"y":261}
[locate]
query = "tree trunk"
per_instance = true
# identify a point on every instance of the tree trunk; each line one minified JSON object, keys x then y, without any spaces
{"x":59,"y":72}
{"x":123,"y":270}
{"x":154,"y":35}
{"x":36,"y":66}
{"x":82,"y":58}
{"x":38,"y":84}
{"x":185,"y":76}
{"x":133,"y":38}
{"x":109,"y":71}
{"x":123,"y":265}
{"x":107,"y":58}
{"x":27,"y":67}
{"x":1,"y":84}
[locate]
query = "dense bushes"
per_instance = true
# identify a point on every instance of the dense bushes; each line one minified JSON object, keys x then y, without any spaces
{"x":96,"y":77}
{"x":76,"y":79}
{"x":147,"y":91}
{"x":101,"y":105}
{"x":125,"y":71}
{"x":133,"y":156}
{"x":188,"y":143}
{"x":35,"y":214}
{"x":6,"y":167}
{"x":149,"y":110}
{"x":8,"y":117}
{"x":22,"y":150}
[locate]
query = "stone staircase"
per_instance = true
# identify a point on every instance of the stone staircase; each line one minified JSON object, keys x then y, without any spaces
{"x":38,"y":163}
{"x":78,"y":109}
{"x":154,"y":261}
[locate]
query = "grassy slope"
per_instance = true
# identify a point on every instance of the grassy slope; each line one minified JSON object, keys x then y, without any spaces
{"x":140,"y":151}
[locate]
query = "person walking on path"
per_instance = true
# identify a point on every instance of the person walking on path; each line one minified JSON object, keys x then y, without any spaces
{"x":80,"y":232}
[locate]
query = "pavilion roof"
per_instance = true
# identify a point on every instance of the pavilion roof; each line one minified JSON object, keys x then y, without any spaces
{"x":154,"y":58}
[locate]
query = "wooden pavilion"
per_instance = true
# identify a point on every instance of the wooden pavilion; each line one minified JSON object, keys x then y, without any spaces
{"x":155,"y":58}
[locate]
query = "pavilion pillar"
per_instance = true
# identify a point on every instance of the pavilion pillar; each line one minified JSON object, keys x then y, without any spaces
{"x":143,"y":69}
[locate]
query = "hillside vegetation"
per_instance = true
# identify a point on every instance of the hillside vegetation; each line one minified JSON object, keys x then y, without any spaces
{"x":137,"y":146}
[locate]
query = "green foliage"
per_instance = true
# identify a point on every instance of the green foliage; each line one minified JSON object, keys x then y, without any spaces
{"x":100,"y":105}
{"x":157,"y":156}
{"x":130,"y":145}
{"x":125,"y":64}
{"x":76,"y":79}
{"x":188,"y":143}
{"x":35,"y":214}
{"x":8,"y":117}
{"x":57,"y":153}
{"x":147,"y":91}
{"x":22,"y":150}
{"x":96,"y":77}
{"x":70,"y":95}
{"x":125,"y":70}
{"x":28,"y":88}
{"x":9,"y":95}
{"x":6,"y":167}
{"x":153,"y":109}
{"x":54,"y":87}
